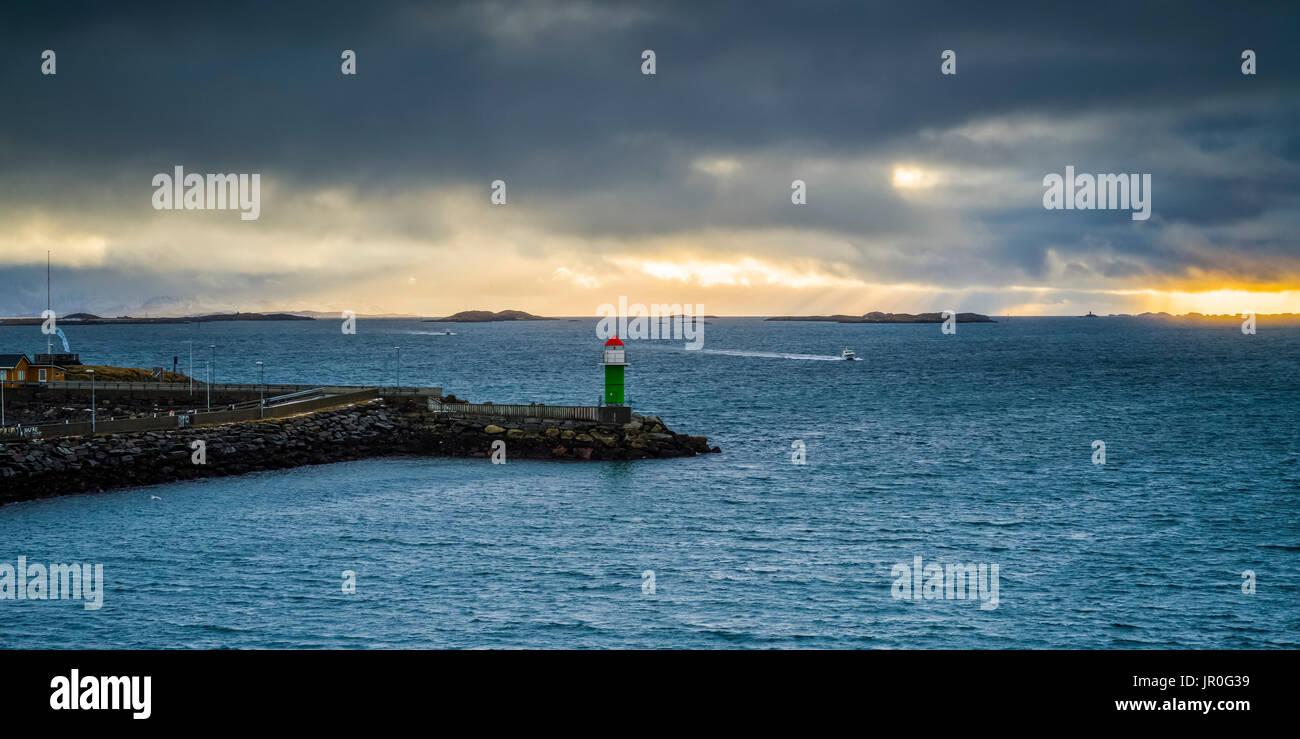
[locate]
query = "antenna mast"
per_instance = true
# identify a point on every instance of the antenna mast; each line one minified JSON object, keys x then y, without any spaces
{"x":49,"y":339}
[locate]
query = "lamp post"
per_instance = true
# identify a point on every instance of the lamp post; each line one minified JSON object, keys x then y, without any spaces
{"x":398,"y":349}
{"x":261,"y":379}
{"x":92,"y":400}
{"x":4,"y":378}
{"x":212,"y":361}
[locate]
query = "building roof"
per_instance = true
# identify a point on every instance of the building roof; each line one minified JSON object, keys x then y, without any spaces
{"x":11,"y":360}
{"x":56,"y":358}
{"x":614,"y":341}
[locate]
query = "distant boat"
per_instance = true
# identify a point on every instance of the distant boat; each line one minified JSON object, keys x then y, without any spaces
{"x":1092,"y":315}
{"x":848,"y":354}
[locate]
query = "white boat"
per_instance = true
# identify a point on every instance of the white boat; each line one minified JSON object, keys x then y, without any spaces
{"x":848,"y":354}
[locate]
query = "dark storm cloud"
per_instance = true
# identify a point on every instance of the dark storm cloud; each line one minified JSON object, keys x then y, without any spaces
{"x":549,"y":97}
{"x":442,"y":91}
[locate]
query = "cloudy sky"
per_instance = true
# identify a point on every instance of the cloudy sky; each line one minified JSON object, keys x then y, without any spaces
{"x":924,"y":190}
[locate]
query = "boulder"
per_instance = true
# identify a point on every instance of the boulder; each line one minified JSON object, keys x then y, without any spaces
{"x":604,"y":437}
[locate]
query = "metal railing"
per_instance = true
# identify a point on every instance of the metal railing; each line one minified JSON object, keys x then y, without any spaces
{"x":558,"y":412}
{"x":177,"y":387}
{"x":272,"y":402}
{"x":300,"y":395}
{"x":164,"y":421}
{"x":435,"y":392}
{"x":249,"y":387}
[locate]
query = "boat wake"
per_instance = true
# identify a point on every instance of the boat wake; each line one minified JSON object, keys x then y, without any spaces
{"x":774,"y":355}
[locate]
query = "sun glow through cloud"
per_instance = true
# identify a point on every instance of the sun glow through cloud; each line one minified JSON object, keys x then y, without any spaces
{"x":911,"y":178}
{"x":746,"y":271}
{"x":717,"y":167}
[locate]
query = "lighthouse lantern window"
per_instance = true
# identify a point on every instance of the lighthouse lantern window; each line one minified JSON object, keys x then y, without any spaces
{"x":614,"y":352}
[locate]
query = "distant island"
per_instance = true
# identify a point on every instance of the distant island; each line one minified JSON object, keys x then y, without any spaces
{"x":335,"y":314}
{"x":878,"y":317}
{"x":90,"y":319}
{"x":487,"y":316}
{"x":249,"y":317}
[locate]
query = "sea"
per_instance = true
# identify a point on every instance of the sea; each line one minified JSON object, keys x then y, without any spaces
{"x":978,"y":448}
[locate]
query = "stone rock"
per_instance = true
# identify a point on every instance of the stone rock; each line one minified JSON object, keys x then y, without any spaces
{"x":603,"y":437}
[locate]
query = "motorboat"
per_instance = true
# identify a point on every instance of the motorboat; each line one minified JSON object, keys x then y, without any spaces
{"x":848,"y":354}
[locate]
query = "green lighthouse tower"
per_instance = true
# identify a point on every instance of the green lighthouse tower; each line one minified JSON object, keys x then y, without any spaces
{"x":614,"y":360}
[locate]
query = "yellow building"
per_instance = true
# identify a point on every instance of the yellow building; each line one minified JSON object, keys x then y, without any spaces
{"x":14,"y":369}
{"x":17,"y":368}
{"x":46,"y":373}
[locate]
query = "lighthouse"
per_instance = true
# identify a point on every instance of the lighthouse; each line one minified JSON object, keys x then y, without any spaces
{"x":614,"y":360}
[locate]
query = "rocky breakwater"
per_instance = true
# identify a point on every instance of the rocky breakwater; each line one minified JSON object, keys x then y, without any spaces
{"x":62,"y":466}
{"x":645,"y":437}
{"x":37,"y":469}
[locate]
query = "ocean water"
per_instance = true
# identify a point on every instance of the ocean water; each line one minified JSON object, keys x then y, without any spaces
{"x":974,"y":448}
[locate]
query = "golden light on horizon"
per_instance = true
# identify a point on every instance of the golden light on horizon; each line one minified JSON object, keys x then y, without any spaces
{"x":511,"y":259}
{"x":1221,"y":301}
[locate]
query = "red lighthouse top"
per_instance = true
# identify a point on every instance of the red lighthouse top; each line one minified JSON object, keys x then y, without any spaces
{"x":614,"y":341}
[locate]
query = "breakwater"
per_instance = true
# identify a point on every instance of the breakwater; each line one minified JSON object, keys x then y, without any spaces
{"x":44,"y":468}
{"x":643,"y":437}
{"x":380,"y":427}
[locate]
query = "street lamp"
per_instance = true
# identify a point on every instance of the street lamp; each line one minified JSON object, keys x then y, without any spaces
{"x":92,"y":400}
{"x":398,"y":349}
{"x":261,"y":371}
{"x":212,"y":361}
